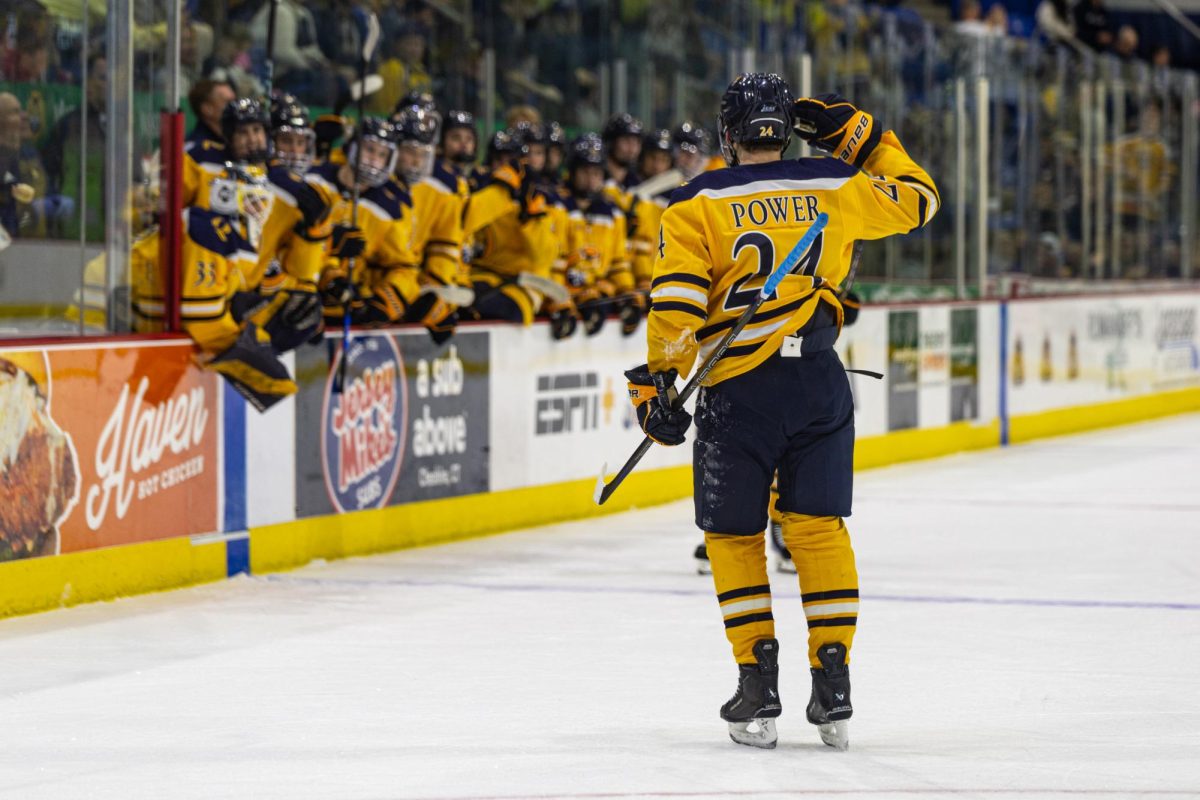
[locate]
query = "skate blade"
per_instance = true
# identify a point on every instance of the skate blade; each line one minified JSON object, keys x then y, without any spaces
{"x":762,"y":735}
{"x":835,"y":734}
{"x":703,"y":567}
{"x":785,"y":566}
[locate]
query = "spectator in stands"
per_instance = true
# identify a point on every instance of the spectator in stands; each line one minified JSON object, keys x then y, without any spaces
{"x":232,"y":62}
{"x":971,"y":22}
{"x":997,"y":20}
{"x":402,"y":69}
{"x":1092,"y":25}
{"x":84,"y":126}
{"x":1125,"y":48}
{"x":22,"y":178}
{"x":1055,"y":21}
{"x":1160,"y":57}
{"x":208,"y":100}
{"x":300,"y":66}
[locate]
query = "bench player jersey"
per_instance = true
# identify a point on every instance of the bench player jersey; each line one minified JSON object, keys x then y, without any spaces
{"x":726,"y":231}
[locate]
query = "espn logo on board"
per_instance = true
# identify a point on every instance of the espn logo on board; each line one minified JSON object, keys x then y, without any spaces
{"x":568,"y":402}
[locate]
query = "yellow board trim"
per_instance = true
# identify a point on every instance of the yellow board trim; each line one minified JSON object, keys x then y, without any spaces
{"x":1027,"y":427}
{"x":293,"y":544}
{"x":38,"y":584}
{"x":912,"y":445}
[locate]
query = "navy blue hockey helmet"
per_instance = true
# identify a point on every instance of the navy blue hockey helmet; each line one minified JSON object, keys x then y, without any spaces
{"x":658,"y":141}
{"x":623,"y":124}
{"x":239,"y":113}
{"x":416,"y":124}
{"x":756,"y":111}
{"x":586,"y":150}
{"x":505,"y":144}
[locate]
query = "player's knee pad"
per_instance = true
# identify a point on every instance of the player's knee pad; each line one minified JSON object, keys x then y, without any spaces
{"x":803,"y":531}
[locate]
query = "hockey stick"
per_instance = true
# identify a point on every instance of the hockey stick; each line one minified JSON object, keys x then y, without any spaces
{"x":605,"y":490}
{"x":454,"y":295}
{"x":370,"y":40}
{"x":269,"y":66}
{"x":552,"y":290}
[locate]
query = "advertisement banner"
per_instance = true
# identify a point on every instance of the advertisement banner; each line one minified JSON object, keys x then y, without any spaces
{"x":903,"y":369}
{"x":410,"y":422}
{"x":964,"y":364}
{"x":106,"y":445}
{"x":1077,"y":351}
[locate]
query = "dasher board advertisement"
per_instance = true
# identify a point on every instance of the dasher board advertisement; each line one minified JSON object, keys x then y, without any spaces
{"x":106,"y":445}
{"x":409,"y":424}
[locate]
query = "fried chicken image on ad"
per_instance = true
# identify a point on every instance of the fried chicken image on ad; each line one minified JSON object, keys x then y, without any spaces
{"x":39,"y":477}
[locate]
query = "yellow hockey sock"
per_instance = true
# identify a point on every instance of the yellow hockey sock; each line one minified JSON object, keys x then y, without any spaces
{"x":739,"y":569}
{"x":820,"y":548}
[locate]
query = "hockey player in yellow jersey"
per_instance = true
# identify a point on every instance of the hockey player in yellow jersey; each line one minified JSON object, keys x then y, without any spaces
{"x":219,"y":252}
{"x":438,"y":198}
{"x":597,"y":261}
{"x":458,"y":143}
{"x":384,"y":282}
{"x":290,"y":254}
{"x":508,"y":220}
{"x":779,"y":400}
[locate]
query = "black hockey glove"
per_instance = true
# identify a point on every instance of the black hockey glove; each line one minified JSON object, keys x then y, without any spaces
{"x":244,"y":305}
{"x":311,"y":204}
{"x":348,"y":242}
{"x":297,"y":321}
{"x":563,"y":322}
{"x":630,"y":309}
{"x":593,"y":315}
{"x":832,"y":123}
{"x":652,"y":395}
{"x":851,"y":304}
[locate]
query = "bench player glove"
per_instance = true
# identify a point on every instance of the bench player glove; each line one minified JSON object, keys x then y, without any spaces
{"x":564,"y":320}
{"x":652,"y":395}
{"x":630,"y":309}
{"x":832,"y":123}
{"x":347,"y":242}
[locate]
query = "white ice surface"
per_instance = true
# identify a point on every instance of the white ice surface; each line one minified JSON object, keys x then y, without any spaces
{"x":1030,"y":627}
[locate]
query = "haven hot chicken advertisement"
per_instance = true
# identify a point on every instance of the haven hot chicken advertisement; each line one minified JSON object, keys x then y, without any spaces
{"x":105,"y":446}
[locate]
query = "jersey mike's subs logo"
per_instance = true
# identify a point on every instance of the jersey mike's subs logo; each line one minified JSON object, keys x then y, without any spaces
{"x":363,"y":427}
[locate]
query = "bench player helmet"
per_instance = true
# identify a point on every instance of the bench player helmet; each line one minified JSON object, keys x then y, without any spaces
{"x":465,"y":120}
{"x":505,"y":145}
{"x":290,"y":116}
{"x":658,"y":141}
{"x":240,"y":113}
{"x":379,"y":130}
{"x":756,"y":111}
{"x":588,"y":149}
{"x":416,"y":131}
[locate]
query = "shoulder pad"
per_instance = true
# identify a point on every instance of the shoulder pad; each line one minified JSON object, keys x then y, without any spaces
{"x":208,"y":152}
{"x":214,"y":232}
{"x":390,"y":197}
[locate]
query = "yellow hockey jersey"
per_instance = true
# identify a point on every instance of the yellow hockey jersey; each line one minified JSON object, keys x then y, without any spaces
{"x":215,"y":255}
{"x":438,"y":202}
{"x":203,"y":161}
{"x":596,"y":251}
{"x":384,"y":215}
{"x":287,"y":260}
{"x":727,"y":230}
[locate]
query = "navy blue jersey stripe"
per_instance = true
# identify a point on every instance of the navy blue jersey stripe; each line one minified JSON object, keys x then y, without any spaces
{"x":792,"y":169}
{"x":672,"y":305}
{"x":837,"y":594}
{"x":746,"y":619}
{"x":745,"y":591}
{"x":832,"y":622}
{"x":681,"y":277}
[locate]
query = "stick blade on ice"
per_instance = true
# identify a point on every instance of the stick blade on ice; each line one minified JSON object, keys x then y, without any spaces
{"x":598,"y":494}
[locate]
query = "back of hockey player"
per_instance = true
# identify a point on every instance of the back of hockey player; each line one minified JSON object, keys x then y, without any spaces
{"x":779,"y":400}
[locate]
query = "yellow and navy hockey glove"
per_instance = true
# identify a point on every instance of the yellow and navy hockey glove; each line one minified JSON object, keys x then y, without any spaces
{"x":652,"y":395}
{"x":832,"y":123}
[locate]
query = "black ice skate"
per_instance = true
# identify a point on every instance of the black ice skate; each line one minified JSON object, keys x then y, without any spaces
{"x":703,"y":567}
{"x":756,"y":702}
{"x":783,"y":556}
{"x":829,"y":706}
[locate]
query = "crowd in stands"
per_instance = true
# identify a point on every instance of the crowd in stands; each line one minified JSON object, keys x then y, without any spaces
{"x":548,"y":60}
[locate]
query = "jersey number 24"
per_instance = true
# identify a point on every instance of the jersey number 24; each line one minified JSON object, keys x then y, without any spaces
{"x":739,"y":295}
